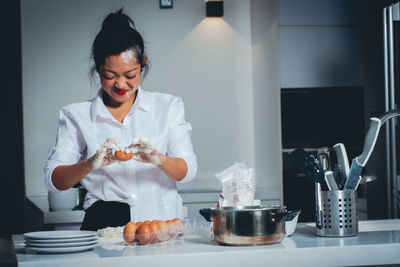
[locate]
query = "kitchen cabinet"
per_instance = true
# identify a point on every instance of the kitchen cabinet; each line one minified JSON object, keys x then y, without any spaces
{"x":320,"y":43}
{"x":378,"y":243}
{"x":319,"y":12}
{"x":320,"y":57}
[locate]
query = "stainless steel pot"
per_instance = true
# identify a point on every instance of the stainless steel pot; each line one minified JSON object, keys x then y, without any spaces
{"x":249,"y":225}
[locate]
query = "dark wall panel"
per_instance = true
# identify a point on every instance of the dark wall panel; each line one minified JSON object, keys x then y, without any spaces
{"x":12,"y":189}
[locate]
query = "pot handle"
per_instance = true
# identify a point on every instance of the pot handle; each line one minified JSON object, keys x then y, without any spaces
{"x":286,"y":216}
{"x":206,"y":213}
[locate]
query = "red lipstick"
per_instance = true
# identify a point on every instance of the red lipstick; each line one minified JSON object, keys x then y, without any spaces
{"x":121,"y":92}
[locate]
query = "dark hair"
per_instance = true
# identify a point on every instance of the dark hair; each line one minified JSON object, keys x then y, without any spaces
{"x":117,"y":34}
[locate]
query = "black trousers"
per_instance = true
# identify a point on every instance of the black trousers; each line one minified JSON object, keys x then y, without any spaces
{"x":103,"y":214}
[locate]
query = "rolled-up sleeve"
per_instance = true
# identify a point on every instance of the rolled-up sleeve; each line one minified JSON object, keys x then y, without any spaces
{"x":179,"y":143}
{"x":68,"y":147}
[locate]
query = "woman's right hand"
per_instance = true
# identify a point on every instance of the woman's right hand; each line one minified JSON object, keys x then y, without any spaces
{"x":66,"y":176}
{"x":105,"y":155}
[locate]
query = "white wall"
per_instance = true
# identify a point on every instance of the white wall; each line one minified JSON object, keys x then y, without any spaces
{"x":208,"y":62}
{"x":267,"y":109}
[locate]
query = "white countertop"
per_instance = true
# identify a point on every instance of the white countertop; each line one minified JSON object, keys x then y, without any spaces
{"x":378,"y":242}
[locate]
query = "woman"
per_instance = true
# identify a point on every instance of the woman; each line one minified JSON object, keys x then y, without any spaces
{"x":123,"y":117}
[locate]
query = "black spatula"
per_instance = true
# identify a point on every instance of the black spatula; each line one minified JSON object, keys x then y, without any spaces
{"x":309,"y":165}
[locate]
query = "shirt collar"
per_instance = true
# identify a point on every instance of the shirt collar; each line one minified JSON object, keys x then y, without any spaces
{"x":141,"y":101}
{"x":99,"y":109}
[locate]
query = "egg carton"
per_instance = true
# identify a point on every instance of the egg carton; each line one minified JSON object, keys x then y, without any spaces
{"x":156,"y":232}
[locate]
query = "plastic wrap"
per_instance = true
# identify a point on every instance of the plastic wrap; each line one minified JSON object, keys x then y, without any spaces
{"x":155,"y":232}
{"x":238,"y":185}
{"x":152,"y":232}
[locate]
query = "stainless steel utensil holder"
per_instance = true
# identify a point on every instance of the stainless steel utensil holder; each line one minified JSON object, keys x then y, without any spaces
{"x":336,"y":213}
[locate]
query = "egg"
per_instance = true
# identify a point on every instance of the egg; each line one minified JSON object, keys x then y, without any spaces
{"x":138,"y":224}
{"x":144,"y":233}
{"x":129,"y":232}
{"x":122,"y":156}
{"x":155,"y":228}
{"x":163,"y":235}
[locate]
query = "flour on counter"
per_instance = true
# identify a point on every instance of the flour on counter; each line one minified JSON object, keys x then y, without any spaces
{"x":111,"y":232}
{"x":112,"y":243}
{"x":111,"y":238}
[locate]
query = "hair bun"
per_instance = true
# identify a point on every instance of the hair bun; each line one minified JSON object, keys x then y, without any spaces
{"x":117,"y":21}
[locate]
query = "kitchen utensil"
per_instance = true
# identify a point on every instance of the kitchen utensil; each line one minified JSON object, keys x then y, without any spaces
{"x":248,"y":225}
{"x":318,"y":206}
{"x":323,"y":156}
{"x":62,"y":234}
{"x":343,"y":163}
{"x":290,"y":226}
{"x":330,"y":181}
{"x":59,"y":245}
{"x":63,"y":200}
{"x":61,"y":241}
{"x":337,"y":174}
{"x":324,"y":160}
{"x":366,"y":178}
{"x":337,"y":213}
{"x":329,"y":163}
{"x":62,"y":249}
{"x":309,"y":165}
{"x":360,"y":161}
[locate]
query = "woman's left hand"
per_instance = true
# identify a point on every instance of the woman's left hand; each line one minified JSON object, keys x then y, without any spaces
{"x":104,"y":155}
{"x":143,"y":151}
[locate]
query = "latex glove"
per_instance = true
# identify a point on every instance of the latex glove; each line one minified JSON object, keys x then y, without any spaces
{"x":105,"y":154}
{"x":145,"y":152}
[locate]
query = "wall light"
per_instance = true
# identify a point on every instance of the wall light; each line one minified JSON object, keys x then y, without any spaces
{"x":214,"y":8}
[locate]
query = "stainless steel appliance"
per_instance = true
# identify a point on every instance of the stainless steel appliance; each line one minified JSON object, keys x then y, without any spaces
{"x":391,"y":37}
{"x":249,"y":225}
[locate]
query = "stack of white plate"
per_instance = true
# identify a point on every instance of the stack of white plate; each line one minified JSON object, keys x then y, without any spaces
{"x":61,"y":241}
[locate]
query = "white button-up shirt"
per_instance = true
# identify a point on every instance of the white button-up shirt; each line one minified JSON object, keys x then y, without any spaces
{"x":160,"y":118}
